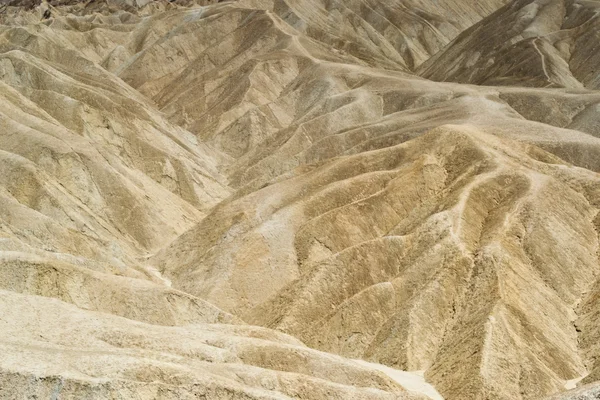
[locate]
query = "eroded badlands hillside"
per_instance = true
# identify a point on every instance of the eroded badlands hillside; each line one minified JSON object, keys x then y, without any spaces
{"x":241,"y":199}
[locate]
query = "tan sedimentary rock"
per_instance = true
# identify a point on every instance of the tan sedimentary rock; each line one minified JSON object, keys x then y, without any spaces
{"x":53,"y":349}
{"x":173,"y":175}
{"x":586,"y":392}
{"x":546,"y":43}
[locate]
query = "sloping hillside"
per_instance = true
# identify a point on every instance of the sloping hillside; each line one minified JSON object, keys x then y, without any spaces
{"x":237,"y":199}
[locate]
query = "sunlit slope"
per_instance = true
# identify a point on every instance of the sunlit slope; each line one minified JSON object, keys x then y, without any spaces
{"x":172,"y":172}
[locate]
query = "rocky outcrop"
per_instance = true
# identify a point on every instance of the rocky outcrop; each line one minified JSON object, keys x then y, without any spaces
{"x":175,"y":175}
{"x":542,"y":43}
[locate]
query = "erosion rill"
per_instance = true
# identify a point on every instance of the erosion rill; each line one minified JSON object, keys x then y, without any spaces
{"x":299,"y":199}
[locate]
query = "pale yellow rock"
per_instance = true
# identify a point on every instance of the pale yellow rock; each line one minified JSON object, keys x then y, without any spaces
{"x":174,"y":175}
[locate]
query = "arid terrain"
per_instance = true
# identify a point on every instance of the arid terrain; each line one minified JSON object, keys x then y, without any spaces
{"x":300,"y":199}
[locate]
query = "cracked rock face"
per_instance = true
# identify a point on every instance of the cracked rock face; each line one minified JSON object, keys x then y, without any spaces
{"x":280,"y":199}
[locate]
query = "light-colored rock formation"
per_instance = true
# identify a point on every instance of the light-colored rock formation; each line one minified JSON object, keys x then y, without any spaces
{"x":587,"y":392}
{"x":174,"y":175}
{"x":545,"y":43}
{"x":54,"y":350}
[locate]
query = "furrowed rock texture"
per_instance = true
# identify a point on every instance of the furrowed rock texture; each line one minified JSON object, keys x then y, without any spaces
{"x":235,"y":200}
{"x":549,"y":43}
{"x":104,"y":356}
{"x":587,"y":392}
